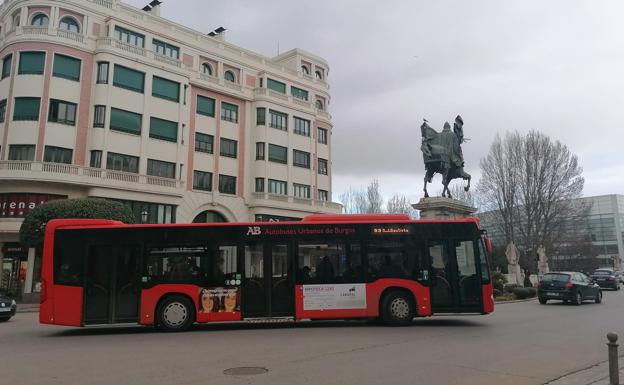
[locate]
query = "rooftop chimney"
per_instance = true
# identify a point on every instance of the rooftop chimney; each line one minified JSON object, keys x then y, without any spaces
{"x":155,"y":4}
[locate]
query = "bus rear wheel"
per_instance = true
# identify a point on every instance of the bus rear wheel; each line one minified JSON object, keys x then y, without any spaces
{"x":175,"y":314}
{"x":397,"y":309}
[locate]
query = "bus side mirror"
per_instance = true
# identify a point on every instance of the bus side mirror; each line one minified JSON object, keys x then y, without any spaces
{"x":488,"y":245}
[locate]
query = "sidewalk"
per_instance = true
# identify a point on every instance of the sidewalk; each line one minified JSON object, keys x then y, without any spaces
{"x":27,"y":307}
{"x":594,"y":375}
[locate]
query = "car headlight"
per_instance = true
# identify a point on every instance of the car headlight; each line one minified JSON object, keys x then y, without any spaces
{"x":13,"y":303}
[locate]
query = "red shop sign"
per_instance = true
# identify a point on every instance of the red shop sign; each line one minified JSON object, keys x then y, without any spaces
{"x":17,"y":205}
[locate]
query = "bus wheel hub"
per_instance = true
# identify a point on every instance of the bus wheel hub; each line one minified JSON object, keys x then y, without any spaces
{"x":399,"y":308}
{"x":175,"y":314}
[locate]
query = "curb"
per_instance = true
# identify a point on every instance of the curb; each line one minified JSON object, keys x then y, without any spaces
{"x":515,"y":301}
{"x":27,"y":309}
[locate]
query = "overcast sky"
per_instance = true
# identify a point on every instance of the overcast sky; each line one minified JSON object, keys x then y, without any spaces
{"x":555,"y":66}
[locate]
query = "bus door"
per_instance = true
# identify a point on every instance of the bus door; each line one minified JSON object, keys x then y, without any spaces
{"x":454,"y":284}
{"x":268,"y":284}
{"x":112,"y":287}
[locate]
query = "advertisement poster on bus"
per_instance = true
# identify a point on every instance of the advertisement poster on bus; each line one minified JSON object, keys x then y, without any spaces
{"x":332,"y":297}
{"x":219,"y":300}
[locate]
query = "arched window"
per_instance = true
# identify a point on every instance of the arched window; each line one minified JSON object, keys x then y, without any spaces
{"x":209,"y":217}
{"x":229,"y":76}
{"x":69,"y":24}
{"x":319,"y":105}
{"x":305,"y":70}
{"x":40,"y":20}
{"x":319,"y":75}
{"x":207,"y":69}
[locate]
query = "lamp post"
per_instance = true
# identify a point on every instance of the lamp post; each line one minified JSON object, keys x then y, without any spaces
{"x":144,"y":215}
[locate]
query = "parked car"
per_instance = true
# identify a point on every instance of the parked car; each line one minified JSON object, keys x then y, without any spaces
{"x":620,"y":276}
{"x":7,"y":308}
{"x":568,"y":286}
{"x":606,"y":278}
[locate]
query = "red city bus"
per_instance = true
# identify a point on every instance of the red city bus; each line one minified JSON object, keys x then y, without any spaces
{"x":99,"y":272}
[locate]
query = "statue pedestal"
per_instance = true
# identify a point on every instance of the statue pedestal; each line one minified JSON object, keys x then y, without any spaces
{"x":443,"y":208}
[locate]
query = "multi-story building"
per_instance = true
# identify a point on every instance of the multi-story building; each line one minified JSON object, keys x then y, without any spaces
{"x":595,"y":240}
{"x":101,"y":99}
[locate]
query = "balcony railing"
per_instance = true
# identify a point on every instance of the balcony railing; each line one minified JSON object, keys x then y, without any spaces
{"x":70,"y":35}
{"x":103,"y":3}
{"x":111,"y":42}
{"x":334,"y":207}
{"x":167,"y":60}
{"x":83,"y":175}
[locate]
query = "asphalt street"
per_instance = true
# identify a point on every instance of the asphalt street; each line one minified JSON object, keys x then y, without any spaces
{"x":521,"y":343}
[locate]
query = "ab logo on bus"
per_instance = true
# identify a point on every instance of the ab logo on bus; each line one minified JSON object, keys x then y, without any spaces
{"x":254,"y":230}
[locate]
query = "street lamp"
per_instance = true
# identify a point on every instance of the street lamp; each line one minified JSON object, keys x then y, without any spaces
{"x":144,"y":215}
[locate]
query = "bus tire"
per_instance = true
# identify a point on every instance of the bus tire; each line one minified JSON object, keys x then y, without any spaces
{"x":175,"y":314}
{"x":397,"y":309}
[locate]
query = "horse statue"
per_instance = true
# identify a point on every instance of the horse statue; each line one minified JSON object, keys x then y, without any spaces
{"x":442,"y":154}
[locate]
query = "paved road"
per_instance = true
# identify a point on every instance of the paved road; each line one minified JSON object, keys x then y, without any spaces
{"x":521,"y":343}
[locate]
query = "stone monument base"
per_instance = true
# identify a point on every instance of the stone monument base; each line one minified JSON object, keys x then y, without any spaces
{"x":443,"y":208}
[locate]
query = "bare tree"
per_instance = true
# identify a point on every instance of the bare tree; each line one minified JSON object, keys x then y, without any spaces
{"x":375,"y":200}
{"x":353,"y":201}
{"x":399,"y":204}
{"x":458,"y":192}
{"x":529,"y":188}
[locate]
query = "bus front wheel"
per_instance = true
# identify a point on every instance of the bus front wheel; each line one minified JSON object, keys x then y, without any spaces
{"x":175,"y":314}
{"x":397,"y":309}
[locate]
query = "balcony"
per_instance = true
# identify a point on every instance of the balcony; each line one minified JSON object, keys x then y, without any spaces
{"x":286,"y":201}
{"x":107,"y":42}
{"x":87,"y":176}
{"x":167,"y":60}
{"x":46,"y":33}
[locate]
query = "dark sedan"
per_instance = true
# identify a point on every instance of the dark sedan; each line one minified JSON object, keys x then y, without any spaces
{"x":568,"y":287}
{"x":606,"y":278}
{"x":7,"y":308}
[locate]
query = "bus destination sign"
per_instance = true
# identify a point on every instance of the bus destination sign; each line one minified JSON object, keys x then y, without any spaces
{"x":390,"y":230}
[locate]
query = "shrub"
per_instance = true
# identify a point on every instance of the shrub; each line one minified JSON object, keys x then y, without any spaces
{"x":521,"y":293}
{"x":32,"y":230}
{"x":510,"y":288}
{"x":497,"y":293}
{"x":532,"y":291}
{"x":498,"y":280}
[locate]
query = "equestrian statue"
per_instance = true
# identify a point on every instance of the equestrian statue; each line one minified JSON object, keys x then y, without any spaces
{"x":442,"y":154}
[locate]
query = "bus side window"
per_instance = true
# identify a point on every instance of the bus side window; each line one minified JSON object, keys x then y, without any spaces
{"x":485,"y":271}
{"x":224,"y":266}
{"x":389,"y":260}
{"x":320,"y":262}
{"x":68,"y":262}
{"x":176,"y":264}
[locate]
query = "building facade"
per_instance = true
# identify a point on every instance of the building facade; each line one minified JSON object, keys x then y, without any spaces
{"x":101,"y":99}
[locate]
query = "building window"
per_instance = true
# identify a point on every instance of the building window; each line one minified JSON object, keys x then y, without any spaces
{"x":276,"y":86}
{"x":228,"y":148}
{"x":299,"y":93}
{"x":305,"y":70}
{"x":66,"y":67}
{"x":40,"y":20}
{"x":96,"y":159}
{"x":125,"y":121}
{"x":278,"y":187}
{"x":259,"y":150}
{"x":129,"y":79}
{"x":205,"y":106}
{"x":322,"y":166}
{"x":69,"y":24}
{"x":166,"y":89}
{"x":229,"y":112}
{"x":26,"y":109}
{"x":99,"y":116}
{"x":322,"y":135}
{"x":6,"y":66}
{"x":121,"y":162}
{"x":3,"y":105}
{"x":323,"y":195}
{"x":302,"y":127}
{"x":260,"y":185}
{"x":130,"y":37}
{"x":102,"y":72}
{"x":165,"y":49}
{"x":278,"y":154}
{"x":156,"y":213}
{"x":202,"y":181}
{"x":204,"y":143}
{"x":301,"y":191}
{"x":207,"y":69}
{"x":319,"y":74}
{"x":31,"y":63}
{"x":163,"y":129}
{"x":227,"y":184}
{"x":57,"y":155}
{"x":319,"y":105}
{"x":301,"y":159}
{"x":229,"y":76}
{"x":22,"y":152}
{"x":62,"y":112}
{"x":279,"y":120}
{"x":161,"y":169}
{"x":260,"y":116}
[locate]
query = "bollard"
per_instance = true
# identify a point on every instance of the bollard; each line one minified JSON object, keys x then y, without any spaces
{"x":614,"y":371}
